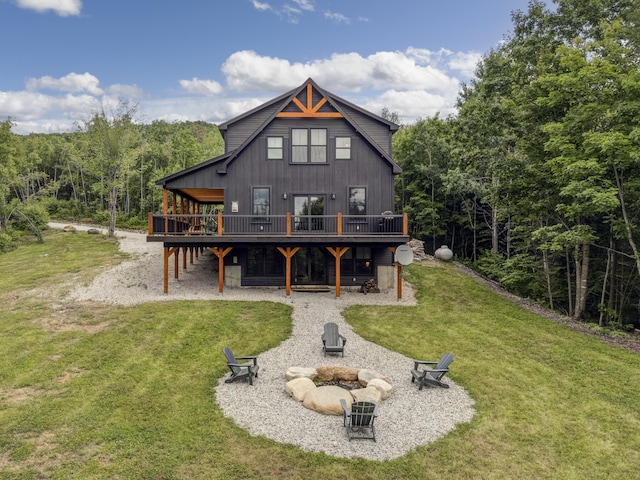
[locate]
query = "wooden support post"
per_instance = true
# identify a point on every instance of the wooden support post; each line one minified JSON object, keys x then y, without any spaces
{"x":166,"y":270}
{"x":175,"y":213}
{"x":176,"y":262}
{"x":220,"y":252}
{"x":167,"y":253}
{"x":184,"y":257}
{"x":288,"y":224}
{"x":220,"y":224}
{"x":405,"y":223}
{"x":165,"y":209}
{"x":288,"y":255}
{"x":339,"y":224}
{"x":338,"y":252}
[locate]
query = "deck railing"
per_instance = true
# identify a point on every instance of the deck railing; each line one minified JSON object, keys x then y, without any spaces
{"x":274,"y":225}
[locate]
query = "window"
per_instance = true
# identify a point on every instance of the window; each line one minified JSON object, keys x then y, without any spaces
{"x":356,"y":261}
{"x":343,"y":148}
{"x":260,"y":201}
{"x":309,"y":145}
{"x":264,"y":262}
{"x":357,"y":201}
{"x":274,"y":148}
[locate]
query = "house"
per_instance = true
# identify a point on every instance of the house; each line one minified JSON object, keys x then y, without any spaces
{"x":303,"y":195}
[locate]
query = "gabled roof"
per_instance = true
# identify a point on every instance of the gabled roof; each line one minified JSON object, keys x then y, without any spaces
{"x":319,"y":110}
{"x":194,"y":168}
{"x":288,"y":105}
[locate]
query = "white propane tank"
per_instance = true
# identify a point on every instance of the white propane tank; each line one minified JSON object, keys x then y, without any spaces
{"x":444,"y":253}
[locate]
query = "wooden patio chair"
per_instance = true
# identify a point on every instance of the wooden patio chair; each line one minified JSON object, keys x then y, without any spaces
{"x":359,"y":420}
{"x":241,"y":371}
{"x":431,"y":376}
{"x":332,"y":341}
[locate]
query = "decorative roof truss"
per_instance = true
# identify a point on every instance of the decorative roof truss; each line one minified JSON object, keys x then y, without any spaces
{"x":309,"y":110}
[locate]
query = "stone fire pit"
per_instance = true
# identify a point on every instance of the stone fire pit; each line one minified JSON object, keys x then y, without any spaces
{"x":322,"y":388}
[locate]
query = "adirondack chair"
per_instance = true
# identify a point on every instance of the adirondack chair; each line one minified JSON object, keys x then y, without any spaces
{"x":359,"y":420}
{"x":241,"y":371}
{"x":332,"y":341}
{"x":431,"y":376}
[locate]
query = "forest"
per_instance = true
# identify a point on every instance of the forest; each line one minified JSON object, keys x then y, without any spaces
{"x":535,"y":182}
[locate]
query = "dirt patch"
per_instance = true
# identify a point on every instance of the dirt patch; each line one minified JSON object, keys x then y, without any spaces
{"x":19,"y":395}
{"x":76,"y":317}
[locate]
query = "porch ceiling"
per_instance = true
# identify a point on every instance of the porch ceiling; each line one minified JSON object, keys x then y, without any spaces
{"x":203,"y":195}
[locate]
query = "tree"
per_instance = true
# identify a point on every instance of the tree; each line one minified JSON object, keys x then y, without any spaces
{"x":422,"y":150}
{"x":114,"y":145}
{"x":8,"y":170}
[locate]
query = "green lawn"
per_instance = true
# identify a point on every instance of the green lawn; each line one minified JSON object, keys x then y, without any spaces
{"x":94,"y":391}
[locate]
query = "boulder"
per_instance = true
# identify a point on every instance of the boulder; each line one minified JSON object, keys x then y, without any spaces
{"x":69,"y":228}
{"x":93,"y":231}
{"x":328,"y":374}
{"x":301,"y":372}
{"x":384,"y":387}
{"x":298,"y":388}
{"x":326,"y":400}
{"x":369,"y":394}
{"x":365,"y":375}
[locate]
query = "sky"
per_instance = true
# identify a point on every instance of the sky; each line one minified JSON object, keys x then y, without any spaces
{"x":211,"y":60}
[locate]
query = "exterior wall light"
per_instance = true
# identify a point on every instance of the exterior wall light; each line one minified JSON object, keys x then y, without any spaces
{"x":333,"y":196}
{"x":284,"y":196}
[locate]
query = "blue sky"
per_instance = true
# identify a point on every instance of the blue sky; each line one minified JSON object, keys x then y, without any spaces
{"x":212,"y":60}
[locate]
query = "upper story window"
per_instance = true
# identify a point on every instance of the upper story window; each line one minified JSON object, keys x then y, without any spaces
{"x":343,"y":148}
{"x":309,"y":145}
{"x":260,"y":201}
{"x":274,"y":148}
{"x":357,"y":201}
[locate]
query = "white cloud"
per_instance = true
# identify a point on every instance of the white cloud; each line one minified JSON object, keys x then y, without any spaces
{"x":291,"y":13}
{"x":415,"y":83}
{"x":337,"y":17}
{"x":73,"y":82}
{"x":201,"y":87}
{"x":412,"y":105}
{"x":26,"y":105}
{"x":305,"y":5}
{"x":260,"y":5}
{"x":247,"y":71}
{"x":64,"y":8}
{"x":465,"y":62}
{"x":132,"y":92}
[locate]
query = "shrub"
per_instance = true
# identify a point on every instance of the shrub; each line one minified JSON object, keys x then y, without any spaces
{"x":6,"y":243}
{"x":101,"y":217}
{"x":29,"y":217}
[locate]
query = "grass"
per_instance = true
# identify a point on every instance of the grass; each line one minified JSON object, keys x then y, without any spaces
{"x":94,"y":392}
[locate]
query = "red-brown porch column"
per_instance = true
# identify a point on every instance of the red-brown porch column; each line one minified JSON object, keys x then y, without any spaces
{"x":338,"y":252}
{"x":288,"y":255}
{"x":220,"y":252}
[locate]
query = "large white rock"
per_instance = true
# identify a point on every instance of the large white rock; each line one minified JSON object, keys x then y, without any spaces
{"x":298,"y":387}
{"x":369,"y":394}
{"x":327,"y":399}
{"x":301,"y":372}
{"x":329,"y":373}
{"x":385,"y":388}
{"x":365,"y":375}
